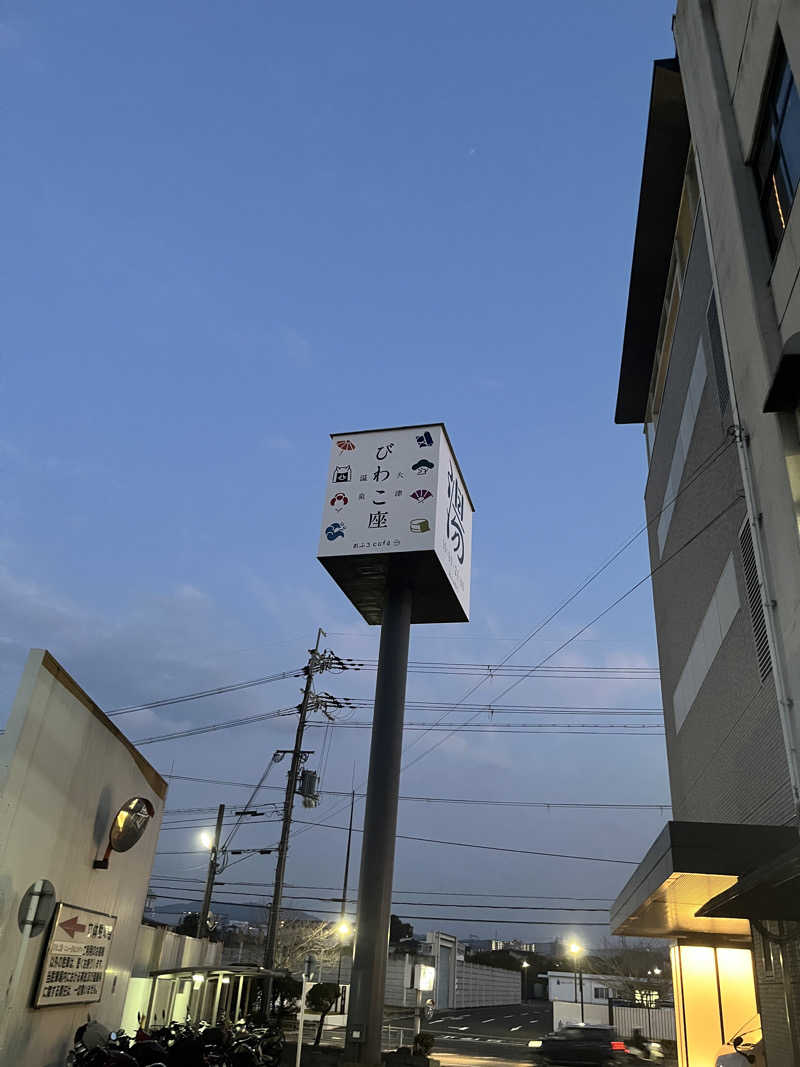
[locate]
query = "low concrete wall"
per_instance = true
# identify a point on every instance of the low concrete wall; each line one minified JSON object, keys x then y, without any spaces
{"x":478,"y":986}
{"x":567,"y":1011}
{"x":161,"y":949}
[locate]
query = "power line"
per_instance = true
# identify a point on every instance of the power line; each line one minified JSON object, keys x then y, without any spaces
{"x":425,"y":918}
{"x":438,"y":841}
{"x":502,"y":670}
{"x":513,"y":709}
{"x":469,"y":726}
{"x":214,"y":726}
{"x":200,"y":694}
{"x":402,"y":892}
{"x":476,"y":801}
{"x":407,"y":903}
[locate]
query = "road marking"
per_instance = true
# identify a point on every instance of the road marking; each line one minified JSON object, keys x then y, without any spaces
{"x":513,"y":1028}
{"x":508,"y":1016}
{"x":489,"y":1020}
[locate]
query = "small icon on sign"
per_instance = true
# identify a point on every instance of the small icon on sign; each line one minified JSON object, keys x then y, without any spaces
{"x":424,"y":440}
{"x":422,"y":466}
{"x":419,"y":526}
{"x":421,"y":494}
{"x":342,"y":474}
{"x":339,"y":501}
{"x":336,"y":529}
{"x":345,"y":446}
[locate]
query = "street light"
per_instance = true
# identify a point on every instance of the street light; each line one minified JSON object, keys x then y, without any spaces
{"x":344,"y":929}
{"x":525,"y":966}
{"x":206,"y":840}
{"x":576,"y":951}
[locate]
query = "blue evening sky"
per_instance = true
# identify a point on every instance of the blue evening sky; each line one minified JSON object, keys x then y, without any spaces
{"x":230,"y":229}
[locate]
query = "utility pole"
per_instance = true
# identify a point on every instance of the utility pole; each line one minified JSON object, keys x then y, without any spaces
{"x":202,"y":921}
{"x":283,"y":848}
{"x":344,"y":884}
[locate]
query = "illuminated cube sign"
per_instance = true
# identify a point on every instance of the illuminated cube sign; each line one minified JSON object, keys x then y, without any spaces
{"x":396,"y":505}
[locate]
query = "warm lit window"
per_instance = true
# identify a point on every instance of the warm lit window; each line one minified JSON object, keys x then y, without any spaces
{"x":776,"y":158}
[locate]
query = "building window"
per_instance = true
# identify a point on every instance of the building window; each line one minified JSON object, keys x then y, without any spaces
{"x":600,"y":993}
{"x":776,"y":156}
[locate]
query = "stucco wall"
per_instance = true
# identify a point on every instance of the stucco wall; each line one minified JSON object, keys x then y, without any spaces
{"x":65,"y":770}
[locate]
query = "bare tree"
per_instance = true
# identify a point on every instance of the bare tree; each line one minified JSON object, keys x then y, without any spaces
{"x":299,"y":939}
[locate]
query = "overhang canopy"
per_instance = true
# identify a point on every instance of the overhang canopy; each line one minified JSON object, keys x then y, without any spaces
{"x":688,"y":864}
{"x":666,"y":149}
{"x":772,"y":891}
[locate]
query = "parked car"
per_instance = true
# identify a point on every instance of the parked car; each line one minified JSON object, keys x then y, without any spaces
{"x":581,"y":1043}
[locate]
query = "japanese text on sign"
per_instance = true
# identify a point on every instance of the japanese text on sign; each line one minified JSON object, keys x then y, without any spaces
{"x":76,"y":957}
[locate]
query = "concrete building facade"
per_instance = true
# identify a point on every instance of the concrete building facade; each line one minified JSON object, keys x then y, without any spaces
{"x":711,"y":370}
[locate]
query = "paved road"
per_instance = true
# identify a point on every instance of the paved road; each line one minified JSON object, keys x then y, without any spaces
{"x":468,"y":1037}
{"x":502,"y":1032}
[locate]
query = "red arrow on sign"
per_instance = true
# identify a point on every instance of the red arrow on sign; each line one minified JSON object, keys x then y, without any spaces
{"x":72,"y":926}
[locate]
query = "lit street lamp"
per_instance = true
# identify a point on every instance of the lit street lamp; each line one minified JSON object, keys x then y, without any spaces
{"x":206,"y":840}
{"x":576,"y":951}
{"x":525,"y":966}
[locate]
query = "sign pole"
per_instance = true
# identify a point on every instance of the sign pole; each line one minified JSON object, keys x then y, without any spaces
{"x":365,"y":1016}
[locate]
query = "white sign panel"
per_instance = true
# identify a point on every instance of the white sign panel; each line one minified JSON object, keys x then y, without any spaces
{"x":398,"y":491}
{"x":76,"y":957}
{"x":424,"y":977}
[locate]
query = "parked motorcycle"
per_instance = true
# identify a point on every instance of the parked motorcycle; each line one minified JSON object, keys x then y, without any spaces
{"x":179,"y":1045}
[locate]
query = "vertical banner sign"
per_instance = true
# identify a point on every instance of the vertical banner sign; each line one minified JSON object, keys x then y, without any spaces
{"x":397,"y":497}
{"x":76,"y":957}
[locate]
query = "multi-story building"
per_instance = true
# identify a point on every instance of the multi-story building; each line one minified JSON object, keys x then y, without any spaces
{"x":711,"y":370}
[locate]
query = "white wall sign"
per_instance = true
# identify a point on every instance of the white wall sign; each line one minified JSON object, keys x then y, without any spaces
{"x":424,"y":977}
{"x":399,"y":491}
{"x":76,"y":957}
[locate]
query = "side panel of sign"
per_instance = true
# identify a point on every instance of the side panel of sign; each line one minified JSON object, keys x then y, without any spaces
{"x":76,"y":957}
{"x":380,"y":495}
{"x":454,"y":526}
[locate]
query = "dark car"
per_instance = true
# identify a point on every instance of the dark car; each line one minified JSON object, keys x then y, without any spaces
{"x":582,"y":1043}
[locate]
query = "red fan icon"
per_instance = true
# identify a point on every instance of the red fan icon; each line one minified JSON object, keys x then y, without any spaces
{"x":339,"y":501}
{"x":421,"y":494}
{"x":345,"y":446}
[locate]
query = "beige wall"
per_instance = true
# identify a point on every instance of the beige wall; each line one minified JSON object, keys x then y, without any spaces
{"x":65,"y":770}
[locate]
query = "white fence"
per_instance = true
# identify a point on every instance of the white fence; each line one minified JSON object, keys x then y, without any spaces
{"x":655,"y":1023}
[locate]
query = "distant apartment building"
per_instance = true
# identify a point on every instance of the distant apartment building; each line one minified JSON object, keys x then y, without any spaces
{"x":711,"y":370}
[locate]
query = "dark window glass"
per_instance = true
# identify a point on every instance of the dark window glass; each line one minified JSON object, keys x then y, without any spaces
{"x":776,"y":156}
{"x":790,"y":137}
